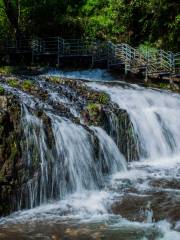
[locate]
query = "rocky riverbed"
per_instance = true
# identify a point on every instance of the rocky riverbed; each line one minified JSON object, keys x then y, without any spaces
{"x":58,"y":134}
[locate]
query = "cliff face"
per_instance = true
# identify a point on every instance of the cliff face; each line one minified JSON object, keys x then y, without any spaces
{"x":11,"y":165}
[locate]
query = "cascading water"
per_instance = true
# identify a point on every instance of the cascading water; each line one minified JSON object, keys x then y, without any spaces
{"x":93,"y":74}
{"x":73,"y":164}
{"x":79,"y":179}
{"x":154,"y":115}
{"x":75,"y":146}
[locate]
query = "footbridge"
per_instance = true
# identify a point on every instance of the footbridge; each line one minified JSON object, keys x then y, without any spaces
{"x":121,"y":55}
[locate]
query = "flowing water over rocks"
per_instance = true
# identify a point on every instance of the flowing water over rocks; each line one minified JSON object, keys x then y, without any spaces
{"x":93,"y":167}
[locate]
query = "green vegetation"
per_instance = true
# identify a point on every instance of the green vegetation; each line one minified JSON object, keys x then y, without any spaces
{"x":164,"y":85}
{"x":13,"y":82}
{"x":6,"y":70}
{"x":1,"y":91}
{"x":104,"y":98}
{"x":27,"y":85}
{"x":94,"y":113}
{"x":147,"y":48}
{"x":55,"y":79}
{"x":152,"y":23}
{"x":93,"y":108}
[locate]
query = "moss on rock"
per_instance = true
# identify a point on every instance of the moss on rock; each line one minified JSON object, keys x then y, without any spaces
{"x":10,"y":152}
{"x":27,"y":85}
{"x":1,"y":91}
{"x":13,"y":82}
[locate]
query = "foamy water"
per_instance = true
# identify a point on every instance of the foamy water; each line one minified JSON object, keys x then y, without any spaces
{"x":155,"y":116}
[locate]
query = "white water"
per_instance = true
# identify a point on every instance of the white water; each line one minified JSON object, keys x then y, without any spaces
{"x":71,"y":166}
{"x":94,"y":74}
{"x":155,"y":116}
{"x":73,"y":144}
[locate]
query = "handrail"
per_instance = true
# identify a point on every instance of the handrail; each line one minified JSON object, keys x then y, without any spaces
{"x":115,"y":54}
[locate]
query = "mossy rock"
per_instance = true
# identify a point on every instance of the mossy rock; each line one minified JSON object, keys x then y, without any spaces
{"x":1,"y":91}
{"x":93,"y":108}
{"x":56,"y":79}
{"x":13,"y":82}
{"x":104,"y":98}
{"x":27,"y":85}
{"x":93,"y":114}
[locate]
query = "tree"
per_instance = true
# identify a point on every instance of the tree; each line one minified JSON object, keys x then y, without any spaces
{"x":12,"y":11}
{"x":135,"y":21}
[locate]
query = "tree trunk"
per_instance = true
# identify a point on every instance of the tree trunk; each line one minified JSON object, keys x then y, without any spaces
{"x":13,"y":13}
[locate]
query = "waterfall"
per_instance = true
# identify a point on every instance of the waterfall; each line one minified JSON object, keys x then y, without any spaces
{"x":79,"y":160}
{"x":108,"y":152}
{"x":36,"y":156}
{"x":76,"y":181}
{"x":120,"y":128}
{"x":155,"y":117}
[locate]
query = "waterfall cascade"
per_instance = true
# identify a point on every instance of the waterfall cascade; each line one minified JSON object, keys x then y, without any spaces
{"x":78,"y":158}
{"x":155,"y":117}
{"x":78,"y":178}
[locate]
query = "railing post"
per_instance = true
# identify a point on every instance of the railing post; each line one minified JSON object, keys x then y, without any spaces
{"x":32,"y":57}
{"x":32,"y":46}
{"x":160,"y":58}
{"x":58,"y":51}
{"x":126,"y":57}
{"x":171,"y":81}
{"x":62,"y":46}
{"x":172,"y":63}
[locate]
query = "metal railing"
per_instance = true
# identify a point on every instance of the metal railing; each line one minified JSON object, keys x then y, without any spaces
{"x":115,"y":54}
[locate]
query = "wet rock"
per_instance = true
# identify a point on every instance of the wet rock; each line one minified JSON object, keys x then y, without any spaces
{"x":165,"y":183}
{"x":10,"y":153}
{"x":164,"y":205}
{"x":97,"y":109}
{"x":3,"y":102}
{"x":118,"y":125}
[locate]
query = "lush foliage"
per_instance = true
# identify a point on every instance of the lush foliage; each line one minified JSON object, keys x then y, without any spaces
{"x":155,"y":22}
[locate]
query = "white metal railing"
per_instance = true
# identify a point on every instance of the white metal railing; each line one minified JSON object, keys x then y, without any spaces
{"x":115,"y":54}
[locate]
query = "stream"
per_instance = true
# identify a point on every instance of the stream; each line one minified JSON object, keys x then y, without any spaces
{"x":80,"y":196}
